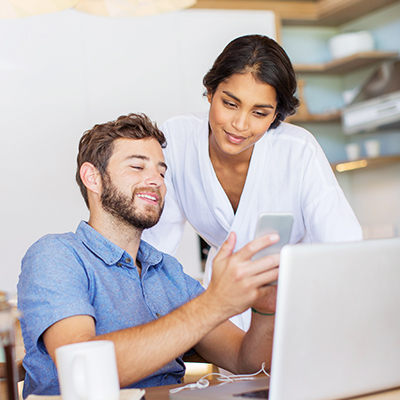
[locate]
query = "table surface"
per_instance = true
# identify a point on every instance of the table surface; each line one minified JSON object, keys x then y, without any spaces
{"x":162,"y":393}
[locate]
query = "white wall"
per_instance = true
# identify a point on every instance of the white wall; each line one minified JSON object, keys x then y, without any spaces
{"x":62,"y":73}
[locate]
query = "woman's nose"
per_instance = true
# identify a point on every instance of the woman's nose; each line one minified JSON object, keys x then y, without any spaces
{"x":240,"y":122}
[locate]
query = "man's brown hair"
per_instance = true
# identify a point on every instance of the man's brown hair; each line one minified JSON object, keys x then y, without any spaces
{"x":97,"y":144}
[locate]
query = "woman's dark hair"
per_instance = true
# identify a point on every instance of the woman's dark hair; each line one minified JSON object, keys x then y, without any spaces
{"x":97,"y":144}
{"x":268,"y":63}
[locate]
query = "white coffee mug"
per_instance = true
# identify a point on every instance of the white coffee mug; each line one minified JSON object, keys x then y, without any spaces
{"x":372,"y":148}
{"x":352,"y":151}
{"x":88,"y":371}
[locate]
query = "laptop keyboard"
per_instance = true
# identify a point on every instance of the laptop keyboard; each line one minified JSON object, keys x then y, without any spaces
{"x":256,"y":394}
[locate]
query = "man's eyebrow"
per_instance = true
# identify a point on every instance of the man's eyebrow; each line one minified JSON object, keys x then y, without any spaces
{"x":239,"y":101}
{"x":141,"y":157}
{"x":145,"y":158}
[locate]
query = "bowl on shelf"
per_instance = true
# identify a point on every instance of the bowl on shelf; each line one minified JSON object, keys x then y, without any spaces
{"x":349,"y":43}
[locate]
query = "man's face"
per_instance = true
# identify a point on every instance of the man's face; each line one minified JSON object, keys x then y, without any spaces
{"x":133,"y":187}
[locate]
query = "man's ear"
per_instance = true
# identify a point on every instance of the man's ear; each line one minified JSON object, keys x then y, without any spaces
{"x":90,"y":177}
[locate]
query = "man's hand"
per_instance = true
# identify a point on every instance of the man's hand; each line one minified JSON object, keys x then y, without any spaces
{"x":239,"y":283}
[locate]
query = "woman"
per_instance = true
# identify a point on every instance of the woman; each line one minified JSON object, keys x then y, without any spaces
{"x":240,"y":159}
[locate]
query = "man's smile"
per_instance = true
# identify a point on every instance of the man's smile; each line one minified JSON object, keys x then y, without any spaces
{"x":153,"y":197}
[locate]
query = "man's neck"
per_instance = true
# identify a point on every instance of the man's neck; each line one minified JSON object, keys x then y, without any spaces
{"x":122,"y":234}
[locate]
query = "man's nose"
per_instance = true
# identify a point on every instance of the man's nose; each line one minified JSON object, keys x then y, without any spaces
{"x":154,"y":178}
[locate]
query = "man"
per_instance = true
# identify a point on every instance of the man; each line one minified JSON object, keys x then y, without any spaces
{"x":103,"y":282}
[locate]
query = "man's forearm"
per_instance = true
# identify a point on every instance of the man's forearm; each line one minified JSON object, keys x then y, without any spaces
{"x":144,"y":349}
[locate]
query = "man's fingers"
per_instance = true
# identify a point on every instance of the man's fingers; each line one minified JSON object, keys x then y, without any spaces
{"x":227,"y":247}
{"x":264,"y":278}
{"x":252,"y":248}
{"x":264,"y":264}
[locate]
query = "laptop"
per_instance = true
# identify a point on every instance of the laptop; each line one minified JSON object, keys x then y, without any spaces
{"x":337,"y":326}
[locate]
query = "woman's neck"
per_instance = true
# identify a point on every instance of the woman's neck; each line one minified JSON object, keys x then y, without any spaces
{"x":231,"y":171}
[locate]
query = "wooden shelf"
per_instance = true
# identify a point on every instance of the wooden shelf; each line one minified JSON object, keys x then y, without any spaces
{"x":362,"y":163}
{"x":304,"y":12}
{"x":346,"y":64}
{"x":326,"y":117}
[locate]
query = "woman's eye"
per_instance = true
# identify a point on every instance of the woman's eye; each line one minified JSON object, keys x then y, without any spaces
{"x":260,"y":114}
{"x":229,"y":104}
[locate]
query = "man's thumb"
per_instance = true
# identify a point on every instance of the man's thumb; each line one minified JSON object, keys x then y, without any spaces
{"x":227,"y":247}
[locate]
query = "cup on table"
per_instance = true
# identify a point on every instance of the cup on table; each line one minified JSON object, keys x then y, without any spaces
{"x":372,"y":148}
{"x":88,"y":371}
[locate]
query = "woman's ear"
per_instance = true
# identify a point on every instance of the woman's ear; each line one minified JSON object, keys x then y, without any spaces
{"x":209,"y":96}
{"x":90,"y":177}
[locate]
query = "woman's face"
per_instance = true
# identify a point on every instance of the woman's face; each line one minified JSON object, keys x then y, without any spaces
{"x":241,"y":111}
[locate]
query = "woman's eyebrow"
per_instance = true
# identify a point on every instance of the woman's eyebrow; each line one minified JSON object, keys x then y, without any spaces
{"x":231,"y":95}
{"x":239,"y":101}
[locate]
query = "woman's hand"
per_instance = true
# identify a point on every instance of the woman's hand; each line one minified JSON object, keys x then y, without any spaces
{"x":266,"y":304}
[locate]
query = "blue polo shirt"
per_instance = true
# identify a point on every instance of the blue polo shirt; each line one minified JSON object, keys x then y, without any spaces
{"x":83,"y":273}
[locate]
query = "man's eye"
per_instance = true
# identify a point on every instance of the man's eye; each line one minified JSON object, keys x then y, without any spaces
{"x":137,"y":167}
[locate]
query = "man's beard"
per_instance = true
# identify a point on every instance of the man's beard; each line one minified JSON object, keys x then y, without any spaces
{"x":122,"y":206}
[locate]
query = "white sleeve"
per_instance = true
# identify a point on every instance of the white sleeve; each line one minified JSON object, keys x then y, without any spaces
{"x":328,"y":217}
{"x":167,"y":233}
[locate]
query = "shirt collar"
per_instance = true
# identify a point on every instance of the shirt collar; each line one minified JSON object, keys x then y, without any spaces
{"x":149,"y":256}
{"x":110,"y":253}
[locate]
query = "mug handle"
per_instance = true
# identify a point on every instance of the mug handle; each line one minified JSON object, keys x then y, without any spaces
{"x":80,"y":377}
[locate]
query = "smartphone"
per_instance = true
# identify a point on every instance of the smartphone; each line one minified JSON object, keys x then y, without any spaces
{"x":280,"y":223}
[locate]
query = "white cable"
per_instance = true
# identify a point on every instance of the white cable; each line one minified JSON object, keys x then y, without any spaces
{"x":202,"y":383}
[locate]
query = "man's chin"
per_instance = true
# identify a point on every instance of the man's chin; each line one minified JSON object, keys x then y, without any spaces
{"x":150,"y":222}
{"x":145,"y":224}
{"x":152,"y":215}
{"x":147,"y":221}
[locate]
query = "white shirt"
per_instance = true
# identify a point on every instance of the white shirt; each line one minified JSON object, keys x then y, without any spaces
{"x":288,"y":172}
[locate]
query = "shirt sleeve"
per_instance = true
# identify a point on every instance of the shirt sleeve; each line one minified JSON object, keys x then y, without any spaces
{"x":328,"y":216}
{"x":167,"y":233}
{"x":53,"y":285}
{"x":196,"y":288}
